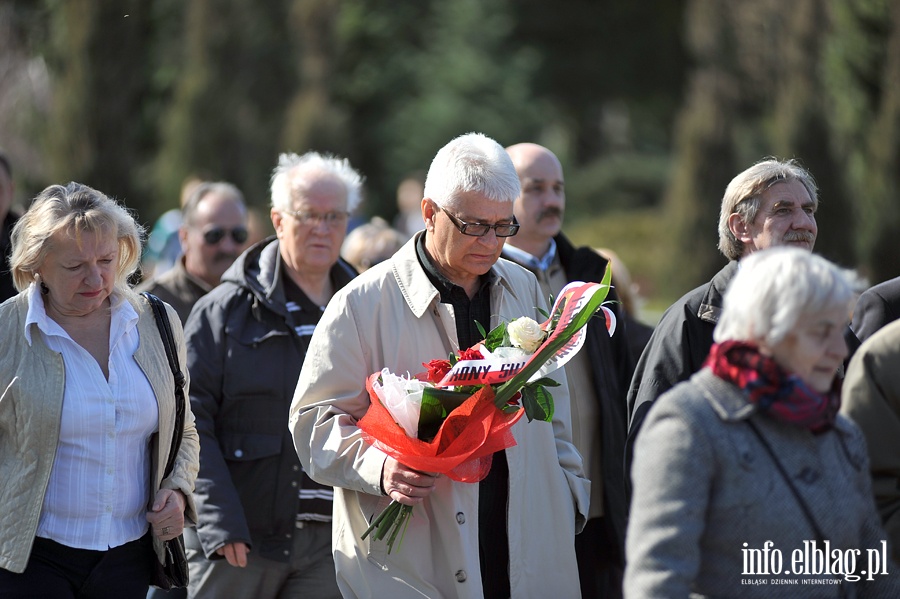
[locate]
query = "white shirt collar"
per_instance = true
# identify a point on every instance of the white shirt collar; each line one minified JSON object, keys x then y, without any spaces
{"x":541,"y":264}
{"x":124,"y":317}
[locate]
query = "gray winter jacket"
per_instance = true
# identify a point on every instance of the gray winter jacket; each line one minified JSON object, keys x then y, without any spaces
{"x":708,"y":497}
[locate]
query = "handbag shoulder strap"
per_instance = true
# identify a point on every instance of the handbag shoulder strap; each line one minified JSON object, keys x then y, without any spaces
{"x":820,"y":538}
{"x":165,"y":332}
{"x":803,"y":506}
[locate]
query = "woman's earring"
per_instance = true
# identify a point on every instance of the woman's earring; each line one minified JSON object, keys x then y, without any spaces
{"x":44,"y":289}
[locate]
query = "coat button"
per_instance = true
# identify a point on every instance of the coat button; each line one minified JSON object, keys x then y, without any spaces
{"x":460,"y":518}
{"x":808,"y":475}
{"x":238,"y":453}
{"x":460,"y":576}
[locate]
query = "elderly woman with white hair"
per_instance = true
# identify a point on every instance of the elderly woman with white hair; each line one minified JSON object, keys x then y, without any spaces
{"x":747,"y":481}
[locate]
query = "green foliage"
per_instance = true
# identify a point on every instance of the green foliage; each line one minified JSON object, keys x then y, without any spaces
{"x":861,"y":70}
{"x":436,"y":406}
{"x":230,"y":97}
{"x":95,"y":132}
{"x":498,"y":337}
{"x":538,"y":403}
{"x":655,"y":114}
{"x":639,"y":238}
{"x":418,"y":74}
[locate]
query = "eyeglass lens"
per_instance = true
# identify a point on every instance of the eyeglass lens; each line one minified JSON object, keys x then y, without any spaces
{"x":309,"y":219}
{"x":481,"y":229}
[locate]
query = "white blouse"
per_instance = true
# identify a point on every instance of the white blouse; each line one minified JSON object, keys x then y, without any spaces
{"x":99,"y":486}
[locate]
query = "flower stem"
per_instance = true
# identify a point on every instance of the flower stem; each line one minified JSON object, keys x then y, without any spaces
{"x":393,"y":520}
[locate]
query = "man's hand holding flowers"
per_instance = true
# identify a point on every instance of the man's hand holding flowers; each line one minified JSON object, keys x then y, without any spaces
{"x":453,"y":418}
{"x":405,"y":485}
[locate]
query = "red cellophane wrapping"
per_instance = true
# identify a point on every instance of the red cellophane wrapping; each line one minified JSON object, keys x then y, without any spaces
{"x":463,"y":447}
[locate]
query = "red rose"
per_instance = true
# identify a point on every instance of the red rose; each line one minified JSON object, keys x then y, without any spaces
{"x":437,"y":369}
{"x":470,"y":354}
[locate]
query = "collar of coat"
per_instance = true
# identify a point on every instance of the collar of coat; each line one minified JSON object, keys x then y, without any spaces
{"x":416,"y":287}
{"x":711,"y":306}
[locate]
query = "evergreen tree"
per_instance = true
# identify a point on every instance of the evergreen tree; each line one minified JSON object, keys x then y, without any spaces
{"x":96,"y":133}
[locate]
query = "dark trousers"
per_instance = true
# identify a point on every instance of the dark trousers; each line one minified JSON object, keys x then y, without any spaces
{"x":55,"y":571}
{"x":599,"y":564}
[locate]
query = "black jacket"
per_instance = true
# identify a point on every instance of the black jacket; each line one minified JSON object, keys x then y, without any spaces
{"x":876,"y":307}
{"x":677,"y":349}
{"x":612,"y":367}
{"x":7,"y":289}
{"x":244,"y":358}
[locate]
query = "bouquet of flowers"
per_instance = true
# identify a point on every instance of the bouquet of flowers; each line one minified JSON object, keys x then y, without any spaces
{"x":453,"y":417}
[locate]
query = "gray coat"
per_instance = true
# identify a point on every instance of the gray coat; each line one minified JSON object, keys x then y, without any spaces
{"x":706,"y":490}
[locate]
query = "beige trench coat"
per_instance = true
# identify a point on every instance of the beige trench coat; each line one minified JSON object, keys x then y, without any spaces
{"x":391,"y":317}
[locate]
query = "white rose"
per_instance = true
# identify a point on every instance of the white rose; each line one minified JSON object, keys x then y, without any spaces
{"x":525,"y":333}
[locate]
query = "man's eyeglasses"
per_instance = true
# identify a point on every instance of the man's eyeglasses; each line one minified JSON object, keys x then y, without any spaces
{"x":217,"y":234}
{"x":310,"y":219}
{"x":481,"y":229}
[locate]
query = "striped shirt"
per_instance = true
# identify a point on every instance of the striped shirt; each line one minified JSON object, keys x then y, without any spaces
{"x":100,"y":481}
{"x":315,"y":499}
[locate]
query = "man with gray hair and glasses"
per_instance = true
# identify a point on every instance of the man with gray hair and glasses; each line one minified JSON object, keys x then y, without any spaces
{"x":264,"y":528}
{"x":213,"y":234}
{"x":772,"y":203}
{"x":511,"y":535}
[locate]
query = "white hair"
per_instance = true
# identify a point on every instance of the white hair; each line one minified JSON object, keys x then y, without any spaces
{"x":472,"y":162}
{"x":775,"y":287}
{"x":295,"y":172}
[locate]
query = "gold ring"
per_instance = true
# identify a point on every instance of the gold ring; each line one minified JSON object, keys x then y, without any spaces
{"x":165,"y":530}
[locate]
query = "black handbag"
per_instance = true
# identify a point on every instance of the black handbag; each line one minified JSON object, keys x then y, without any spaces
{"x":174,"y":572}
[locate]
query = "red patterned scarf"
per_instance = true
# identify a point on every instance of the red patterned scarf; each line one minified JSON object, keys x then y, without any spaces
{"x":771,"y":389}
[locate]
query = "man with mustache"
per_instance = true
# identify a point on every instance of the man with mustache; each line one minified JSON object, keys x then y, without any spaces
{"x":772,"y":203}
{"x":598,"y":377}
{"x":213,"y":234}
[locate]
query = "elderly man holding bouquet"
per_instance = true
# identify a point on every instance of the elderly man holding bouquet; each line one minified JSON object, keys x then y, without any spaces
{"x":510,"y":535}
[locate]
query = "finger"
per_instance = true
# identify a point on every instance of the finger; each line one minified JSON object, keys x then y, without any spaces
{"x":411,"y":493}
{"x":240,"y":552}
{"x":230,"y":557}
{"x":162,"y":499}
{"x":423,"y":473}
{"x":417,"y":481}
{"x":404,"y":499}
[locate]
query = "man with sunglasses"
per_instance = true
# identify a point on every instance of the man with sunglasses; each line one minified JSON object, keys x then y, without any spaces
{"x":598,"y":377}
{"x":213,"y":234}
{"x":264,"y":527}
{"x":512,"y":534}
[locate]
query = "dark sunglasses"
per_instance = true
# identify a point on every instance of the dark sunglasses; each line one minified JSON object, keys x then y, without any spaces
{"x":217,"y":234}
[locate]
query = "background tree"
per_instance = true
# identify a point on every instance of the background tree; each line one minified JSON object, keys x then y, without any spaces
{"x":95,"y":131}
{"x":862,"y":74}
{"x":652,"y":107}
{"x":235,"y":77}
